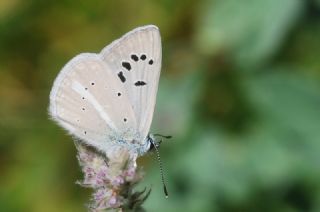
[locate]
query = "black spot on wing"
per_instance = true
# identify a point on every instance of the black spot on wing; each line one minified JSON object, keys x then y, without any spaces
{"x":121,"y":77}
{"x":150,"y":62}
{"x":143,"y":57}
{"x":126,"y":65}
{"x":134,"y":57}
{"x":140,"y":83}
{"x":119,"y":94}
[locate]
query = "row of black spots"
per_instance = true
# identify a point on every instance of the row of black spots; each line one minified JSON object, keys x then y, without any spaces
{"x":121,"y":76}
{"x":83,"y":98}
{"x":92,"y":83}
{"x":140,"y":83}
{"x":135,"y":58}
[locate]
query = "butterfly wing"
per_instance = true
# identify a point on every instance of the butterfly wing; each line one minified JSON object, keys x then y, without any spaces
{"x":90,"y":102}
{"x":136,"y":60}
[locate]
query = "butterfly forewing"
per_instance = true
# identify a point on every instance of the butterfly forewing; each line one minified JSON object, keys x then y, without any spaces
{"x":90,"y":102}
{"x":135,"y":59}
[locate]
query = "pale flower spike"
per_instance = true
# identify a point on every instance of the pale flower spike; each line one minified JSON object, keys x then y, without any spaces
{"x":112,"y":179}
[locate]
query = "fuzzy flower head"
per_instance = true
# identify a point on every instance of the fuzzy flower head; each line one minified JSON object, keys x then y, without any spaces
{"x":112,"y":177}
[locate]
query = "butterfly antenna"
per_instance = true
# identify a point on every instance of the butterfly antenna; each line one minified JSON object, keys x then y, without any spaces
{"x":163,"y":136}
{"x":161,"y":169}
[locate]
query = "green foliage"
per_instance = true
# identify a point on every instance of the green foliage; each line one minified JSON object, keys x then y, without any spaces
{"x":251,"y":32}
{"x":239,"y":93}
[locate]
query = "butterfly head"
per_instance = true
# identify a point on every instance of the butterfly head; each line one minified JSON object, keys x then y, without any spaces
{"x":154,"y":140}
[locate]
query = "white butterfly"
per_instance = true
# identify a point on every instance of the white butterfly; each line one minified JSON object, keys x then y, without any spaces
{"x":107,"y":99}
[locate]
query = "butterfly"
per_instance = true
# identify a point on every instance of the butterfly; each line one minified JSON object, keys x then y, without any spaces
{"x":107,"y":99}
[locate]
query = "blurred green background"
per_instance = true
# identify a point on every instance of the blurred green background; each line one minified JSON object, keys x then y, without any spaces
{"x":239,"y":92}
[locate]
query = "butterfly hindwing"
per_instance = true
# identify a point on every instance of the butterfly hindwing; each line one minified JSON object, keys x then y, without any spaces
{"x":135,"y":59}
{"x":90,"y":102}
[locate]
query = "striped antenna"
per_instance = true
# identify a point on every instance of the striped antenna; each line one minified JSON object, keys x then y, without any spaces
{"x":160,"y":166}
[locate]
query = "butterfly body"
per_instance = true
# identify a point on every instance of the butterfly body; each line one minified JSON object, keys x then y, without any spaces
{"x":107,"y":100}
